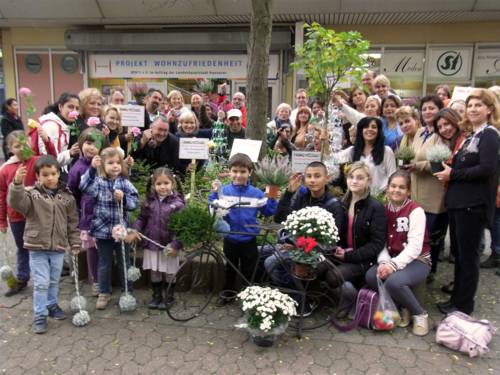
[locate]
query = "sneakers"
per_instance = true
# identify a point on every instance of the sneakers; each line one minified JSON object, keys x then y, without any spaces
{"x":421,"y":324}
{"x":405,"y":318}
{"x":40,"y":325}
{"x":102,"y":301}
{"x":95,"y":289}
{"x":20,"y":285}
{"x":56,"y":312}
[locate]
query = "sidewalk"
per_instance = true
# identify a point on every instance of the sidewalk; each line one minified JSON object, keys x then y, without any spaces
{"x":149,"y":342}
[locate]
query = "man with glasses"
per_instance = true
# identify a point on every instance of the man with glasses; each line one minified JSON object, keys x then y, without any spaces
{"x":300,"y":101}
{"x":158,"y":147}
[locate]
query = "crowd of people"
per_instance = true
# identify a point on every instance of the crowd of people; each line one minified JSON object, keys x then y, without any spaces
{"x":65,"y":185}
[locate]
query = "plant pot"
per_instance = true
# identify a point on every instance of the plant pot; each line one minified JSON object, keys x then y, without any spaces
{"x":436,"y":167}
{"x":267,"y":339}
{"x":303,"y":271}
{"x":273,"y":191}
{"x":402,"y":163}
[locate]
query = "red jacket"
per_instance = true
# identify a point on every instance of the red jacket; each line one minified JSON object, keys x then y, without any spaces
{"x":7,"y":173}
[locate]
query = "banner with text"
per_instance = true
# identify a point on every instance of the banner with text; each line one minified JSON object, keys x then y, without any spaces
{"x":174,"y":66}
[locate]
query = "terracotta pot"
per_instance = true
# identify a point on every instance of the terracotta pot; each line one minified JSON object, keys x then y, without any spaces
{"x":303,"y":271}
{"x":273,"y":191}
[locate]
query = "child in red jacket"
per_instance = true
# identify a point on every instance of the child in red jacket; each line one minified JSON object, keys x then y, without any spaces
{"x":19,"y":145}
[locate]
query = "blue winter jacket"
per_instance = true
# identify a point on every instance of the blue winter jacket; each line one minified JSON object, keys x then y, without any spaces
{"x":240,"y":216}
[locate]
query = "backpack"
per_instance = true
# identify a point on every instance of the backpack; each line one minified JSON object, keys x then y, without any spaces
{"x":458,"y":331}
{"x":366,"y":305}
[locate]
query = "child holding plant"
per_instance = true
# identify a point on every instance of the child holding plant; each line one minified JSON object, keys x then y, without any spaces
{"x":22,"y":156}
{"x":90,"y":142}
{"x":240,"y":249}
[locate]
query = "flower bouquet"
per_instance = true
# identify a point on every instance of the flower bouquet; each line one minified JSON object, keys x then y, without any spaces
{"x":138,"y":91}
{"x":404,"y":155}
{"x":275,"y":173}
{"x":267,"y":313}
{"x":436,"y":155}
{"x":313,"y":227}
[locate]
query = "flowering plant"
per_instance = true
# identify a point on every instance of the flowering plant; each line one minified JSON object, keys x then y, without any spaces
{"x":313,"y":222}
{"x":93,"y":121}
{"x":74,"y":129}
{"x":266,"y":308}
{"x":438,"y":153}
{"x":136,"y":133}
{"x":274,"y":171}
{"x":26,"y":93}
{"x":138,"y":91}
{"x":306,"y":252}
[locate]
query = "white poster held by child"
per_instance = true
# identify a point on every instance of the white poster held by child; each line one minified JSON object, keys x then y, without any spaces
{"x":301,"y":159}
{"x":249,"y":147}
{"x":461,"y":93}
{"x":193,"y":148}
{"x":132,"y":115}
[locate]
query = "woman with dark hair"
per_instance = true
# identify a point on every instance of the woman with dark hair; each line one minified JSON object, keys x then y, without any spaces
{"x":357,"y":98}
{"x":369,"y":148}
{"x":426,"y":189}
{"x":10,"y":122}
{"x":392,"y":132}
{"x":470,"y":198}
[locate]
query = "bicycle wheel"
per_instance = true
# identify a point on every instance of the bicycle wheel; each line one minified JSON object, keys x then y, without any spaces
{"x":195,"y":284}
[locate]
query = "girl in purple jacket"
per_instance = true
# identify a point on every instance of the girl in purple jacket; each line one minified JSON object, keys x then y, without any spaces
{"x":91,"y":142}
{"x":162,"y":201}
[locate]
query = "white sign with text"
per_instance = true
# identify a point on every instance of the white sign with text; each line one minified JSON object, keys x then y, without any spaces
{"x":132,"y":115}
{"x":301,"y":159}
{"x":403,"y":63}
{"x":193,"y":148}
{"x":488,"y":63}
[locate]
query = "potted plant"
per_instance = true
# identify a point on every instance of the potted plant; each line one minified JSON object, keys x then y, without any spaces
{"x":313,"y":228}
{"x":436,"y":155}
{"x":274,"y":172}
{"x":138,"y":91}
{"x":193,"y":225}
{"x":404,"y":155}
{"x":267,"y":312}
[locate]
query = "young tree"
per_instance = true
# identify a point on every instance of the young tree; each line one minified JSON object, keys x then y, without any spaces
{"x":327,"y":57}
{"x":258,"y":69}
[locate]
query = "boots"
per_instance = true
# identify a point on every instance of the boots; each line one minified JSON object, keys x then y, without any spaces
{"x":157,"y":297}
{"x":169,"y":294}
{"x":493,"y":261}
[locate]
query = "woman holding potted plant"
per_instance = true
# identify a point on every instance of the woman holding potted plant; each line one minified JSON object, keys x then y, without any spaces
{"x":426,"y":189}
{"x":470,"y":198}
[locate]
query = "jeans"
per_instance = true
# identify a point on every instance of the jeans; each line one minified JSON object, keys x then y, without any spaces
{"x":398,"y":284}
{"x":46,"y":267}
{"x":106,"y":249}
{"x":495,"y":233}
{"x":275,"y":268}
{"x":22,"y":255}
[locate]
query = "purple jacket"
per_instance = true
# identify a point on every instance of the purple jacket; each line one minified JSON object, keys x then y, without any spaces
{"x":84,"y":201}
{"x":153,"y":220}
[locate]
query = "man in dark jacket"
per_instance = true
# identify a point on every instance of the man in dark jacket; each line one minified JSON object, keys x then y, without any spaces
{"x":158,"y":147}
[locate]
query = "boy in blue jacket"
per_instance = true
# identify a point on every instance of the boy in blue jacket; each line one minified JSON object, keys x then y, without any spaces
{"x":240,"y":249}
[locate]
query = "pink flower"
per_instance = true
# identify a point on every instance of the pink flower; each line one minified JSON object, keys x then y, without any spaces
{"x":93,"y":121}
{"x":73,"y":115}
{"x":135,"y":131}
{"x":24,"y":91}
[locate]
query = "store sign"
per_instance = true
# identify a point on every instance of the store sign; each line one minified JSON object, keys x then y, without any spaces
{"x":403,"y":63}
{"x":174,"y":66}
{"x":488,"y":63}
{"x":450,"y":62}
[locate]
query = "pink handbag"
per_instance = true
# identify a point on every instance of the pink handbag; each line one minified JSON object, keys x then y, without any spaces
{"x":458,"y":331}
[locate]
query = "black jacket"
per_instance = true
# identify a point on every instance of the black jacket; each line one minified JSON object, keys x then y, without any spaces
{"x":290,"y":202}
{"x":369,"y":230}
{"x":474,"y":176}
{"x":166,"y":154}
{"x":9,"y":124}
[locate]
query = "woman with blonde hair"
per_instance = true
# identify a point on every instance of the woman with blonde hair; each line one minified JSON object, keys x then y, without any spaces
{"x":470,"y":198}
{"x":176,"y":106}
{"x":409,"y":122}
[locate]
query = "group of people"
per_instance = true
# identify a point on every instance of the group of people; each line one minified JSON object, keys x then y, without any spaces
{"x":399,"y":242}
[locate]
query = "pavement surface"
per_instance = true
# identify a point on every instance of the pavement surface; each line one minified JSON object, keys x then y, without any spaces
{"x":145,"y":342}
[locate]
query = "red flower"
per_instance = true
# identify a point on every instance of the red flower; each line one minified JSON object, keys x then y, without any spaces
{"x":306,"y":243}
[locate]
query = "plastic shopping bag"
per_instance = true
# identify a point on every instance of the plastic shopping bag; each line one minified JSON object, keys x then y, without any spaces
{"x":386,"y":315}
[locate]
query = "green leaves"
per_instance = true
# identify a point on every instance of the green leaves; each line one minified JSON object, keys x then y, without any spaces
{"x":330,"y":54}
{"x":26,"y":151}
